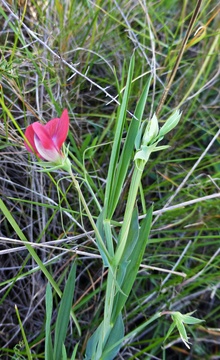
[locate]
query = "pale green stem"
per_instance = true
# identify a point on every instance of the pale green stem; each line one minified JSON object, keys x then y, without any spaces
{"x":132,"y":196}
{"x":109,"y":303}
{"x":92,"y":222}
{"x":111,"y":280}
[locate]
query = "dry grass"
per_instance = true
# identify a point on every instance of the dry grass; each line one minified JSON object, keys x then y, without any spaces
{"x":67,"y":54}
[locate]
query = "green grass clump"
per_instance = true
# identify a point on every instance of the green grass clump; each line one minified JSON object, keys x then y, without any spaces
{"x":76,"y":55}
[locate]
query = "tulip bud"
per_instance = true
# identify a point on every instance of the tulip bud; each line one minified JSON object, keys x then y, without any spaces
{"x":151,"y":131}
{"x":170,"y":124}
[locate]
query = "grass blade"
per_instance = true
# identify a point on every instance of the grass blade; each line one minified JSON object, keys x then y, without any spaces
{"x":28,"y":351}
{"x":49,"y":308}
{"x":64,"y":314}
{"x":32,"y":252}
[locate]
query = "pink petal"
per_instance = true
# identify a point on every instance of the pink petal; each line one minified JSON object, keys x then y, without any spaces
{"x":29,"y":134}
{"x":49,"y":154}
{"x":44,"y":137}
{"x":51,"y":127}
{"x":58,"y":129}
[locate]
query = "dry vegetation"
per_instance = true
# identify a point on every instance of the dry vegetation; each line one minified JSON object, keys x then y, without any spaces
{"x":75,"y":55}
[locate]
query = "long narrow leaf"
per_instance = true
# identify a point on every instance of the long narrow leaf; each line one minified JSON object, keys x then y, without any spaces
{"x":96,"y":350}
{"x":64,"y":353}
{"x":137,"y":330}
{"x":28,"y":351}
{"x":64,"y":314}
{"x":130,"y":245}
{"x":127,"y":151}
{"x":93,"y":350}
{"x":134,"y":262}
{"x":49,"y":308}
{"x":118,"y":138}
{"x":73,"y":357}
{"x":113,"y":344}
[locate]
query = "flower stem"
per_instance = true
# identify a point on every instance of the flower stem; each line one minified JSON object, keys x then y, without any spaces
{"x":92,"y":222}
{"x":112,"y":275}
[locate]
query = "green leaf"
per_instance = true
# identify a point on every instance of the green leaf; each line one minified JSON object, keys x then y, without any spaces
{"x":127,"y":151}
{"x":49,"y":308}
{"x":138,"y":138}
{"x":100,"y":227}
{"x":73,"y":357}
{"x":132,"y":236}
{"x":178,"y":321}
{"x":93,"y":348}
{"x":117,"y":334}
{"x":134,"y":261}
{"x":143,"y":153}
{"x":121,"y":116}
{"x":64,"y":314}
{"x":190,"y":320}
{"x":182,"y":331}
{"x":104,"y":228}
{"x":64,"y":354}
{"x":130,"y":245}
{"x":170,"y":330}
{"x":28,"y":350}
{"x":97,"y":350}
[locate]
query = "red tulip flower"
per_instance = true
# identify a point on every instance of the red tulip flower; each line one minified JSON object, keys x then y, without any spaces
{"x":45,"y":141}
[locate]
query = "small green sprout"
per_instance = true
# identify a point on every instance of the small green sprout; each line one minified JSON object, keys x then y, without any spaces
{"x":178,"y":321}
